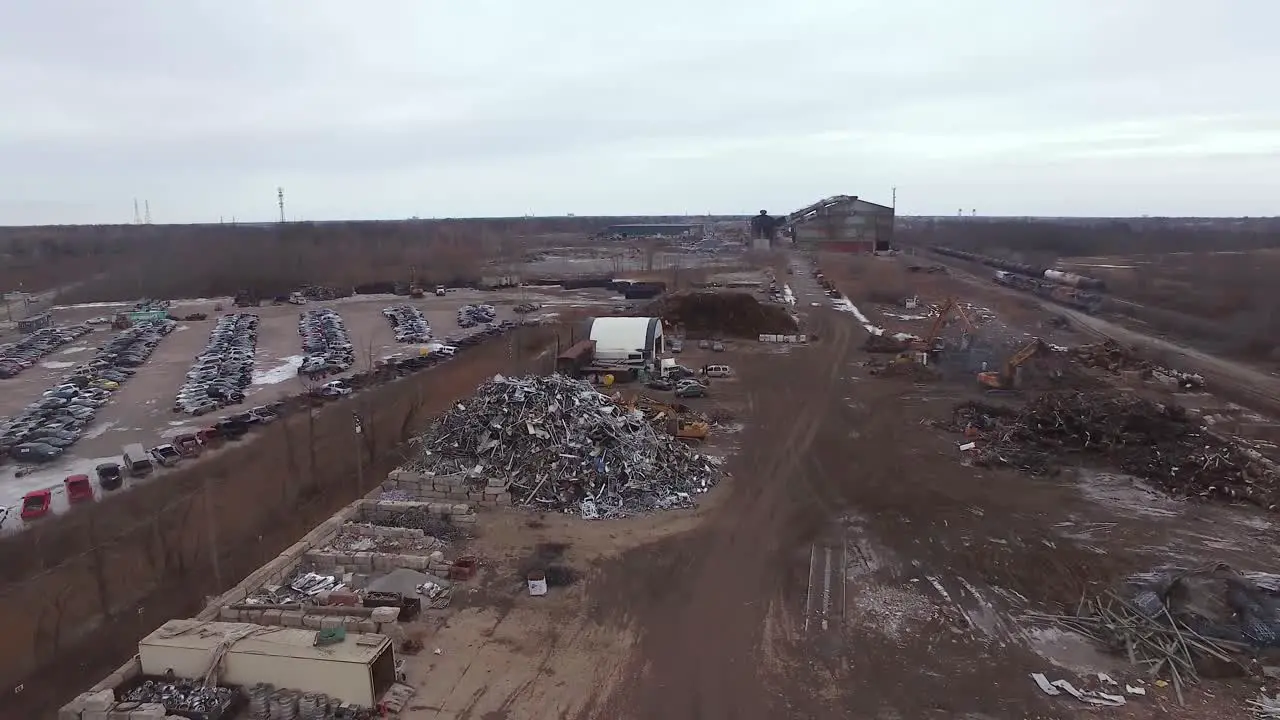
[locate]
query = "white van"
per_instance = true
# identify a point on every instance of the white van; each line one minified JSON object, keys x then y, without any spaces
{"x":719,"y":371}
{"x":136,"y":460}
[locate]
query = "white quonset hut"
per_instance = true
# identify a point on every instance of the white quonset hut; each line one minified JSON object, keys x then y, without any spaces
{"x":629,"y":340}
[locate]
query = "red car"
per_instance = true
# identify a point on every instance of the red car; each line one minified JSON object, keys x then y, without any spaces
{"x":79,"y":489}
{"x":35,"y":504}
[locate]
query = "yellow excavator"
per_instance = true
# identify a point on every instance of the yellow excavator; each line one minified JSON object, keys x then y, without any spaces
{"x":933,"y":341}
{"x":1006,"y":377}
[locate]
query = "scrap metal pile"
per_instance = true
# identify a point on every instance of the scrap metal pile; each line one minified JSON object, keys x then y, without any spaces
{"x":564,"y":446}
{"x":706,"y":314}
{"x":1115,"y":358}
{"x":1156,"y":442}
{"x":1180,"y":622}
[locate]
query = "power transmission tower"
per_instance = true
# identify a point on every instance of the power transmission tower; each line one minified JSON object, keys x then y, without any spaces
{"x":280,"y":201}
{"x":147,"y":204}
{"x":137,"y":219}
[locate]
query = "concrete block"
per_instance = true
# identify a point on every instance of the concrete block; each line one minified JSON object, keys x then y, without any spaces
{"x":227,"y":614}
{"x":102,"y":701}
{"x":384,"y":614}
{"x":251,"y":616}
{"x":291,"y":618}
{"x":460,"y":509}
{"x":366,"y":626}
{"x":496,"y":483}
{"x":440,"y":568}
{"x":70,"y":711}
{"x":344,"y":559}
{"x":330,"y":622}
{"x":272,"y":617}
{"x":466,"y":519}
{"x":312,"y":621}
{"x":149,"y":711}
{"x":94,"y":715}
{"x":125,"y":714}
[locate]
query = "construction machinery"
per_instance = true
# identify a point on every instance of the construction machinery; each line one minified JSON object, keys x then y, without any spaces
{"x":1006,"y":378}
{"x":933,"y":341}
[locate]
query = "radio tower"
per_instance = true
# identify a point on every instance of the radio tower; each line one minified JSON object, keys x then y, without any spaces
{"x":147,"y":205}
{"x":137,"y":219}
{"x":280,"y":201}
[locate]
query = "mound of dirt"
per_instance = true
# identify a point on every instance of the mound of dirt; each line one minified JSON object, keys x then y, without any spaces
{"x":724,"y":314}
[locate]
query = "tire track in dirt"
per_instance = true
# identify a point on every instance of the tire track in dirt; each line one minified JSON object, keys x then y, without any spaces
{"x":700,"y":601}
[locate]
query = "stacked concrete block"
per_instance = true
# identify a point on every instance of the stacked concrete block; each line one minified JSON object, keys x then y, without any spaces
{"x":383,"y":531}
{"x":365,"y":563}
{"x":457,"y":488}
{"x":381,"y":511}
{"x":311,"y":618}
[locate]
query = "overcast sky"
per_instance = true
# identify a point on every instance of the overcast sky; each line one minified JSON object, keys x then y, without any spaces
{"x":392,"y":109}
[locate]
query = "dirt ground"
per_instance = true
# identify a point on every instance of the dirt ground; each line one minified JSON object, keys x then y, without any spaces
{"x":851,"y":566}
{"x":141,"y":410}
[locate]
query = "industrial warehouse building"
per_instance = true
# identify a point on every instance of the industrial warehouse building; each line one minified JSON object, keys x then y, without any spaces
{"x":843,"y":223}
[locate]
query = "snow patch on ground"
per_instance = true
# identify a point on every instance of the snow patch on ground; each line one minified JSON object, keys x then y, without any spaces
{"x":788,"y":296}
{"x":287,"y":370}
{"x":98,"y":430}
{"x":56,"y":364}
{"x":73,"y":350}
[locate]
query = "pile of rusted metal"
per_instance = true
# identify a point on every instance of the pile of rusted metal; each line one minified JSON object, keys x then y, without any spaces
{"x":562,"y":445}
{"x":1111,"y":356}
{"x":716,"y":314}
{"x":1115,"y":358}
{"x":1179,"y":623}
{"x":1156,"y":442}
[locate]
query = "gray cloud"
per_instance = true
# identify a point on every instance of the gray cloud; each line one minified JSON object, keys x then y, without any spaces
{"x":499,"y":107}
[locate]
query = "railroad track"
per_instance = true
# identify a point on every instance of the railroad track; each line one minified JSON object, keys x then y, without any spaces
{"x":824,"y":600}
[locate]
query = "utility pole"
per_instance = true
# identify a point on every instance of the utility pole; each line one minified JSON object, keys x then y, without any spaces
{"x":894,"y":202}
{"x":359,"y":428}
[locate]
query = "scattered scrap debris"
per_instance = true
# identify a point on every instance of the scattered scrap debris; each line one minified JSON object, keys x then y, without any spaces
{"x":421,"y":519}
{"x":562,"y":445}
{"x":181,"y":694}
{"x":738,"y":314}
{"x":349,"y":538}
{"x":1266,"y":708}
{"x":1156,"y":442}
{"x":1181,"y":622}
{"x":1093,"y":697}
{"x":1113,"y":357}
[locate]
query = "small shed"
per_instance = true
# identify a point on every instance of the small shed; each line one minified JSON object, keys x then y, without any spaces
{"x":35,"y":322}
{"x":358,"y":669}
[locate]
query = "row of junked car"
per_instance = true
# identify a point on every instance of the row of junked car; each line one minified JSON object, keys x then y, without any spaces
{"x":408,"y":323}
{"x":471,"y":315}
{"x":18,"y":356}
{"x":326,"y":343}
{"x":220,"y":373}
{"x":45,"y":428}
{"x":139,"y":462}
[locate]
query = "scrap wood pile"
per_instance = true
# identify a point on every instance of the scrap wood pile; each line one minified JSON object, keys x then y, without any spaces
{"x":564,"y":446}
{"x":657,"y":412}
{"x":1156,"y":442}
{"x":1182,"y":623}
{"x":1113,"y":357}
{"x":722,"y":313}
